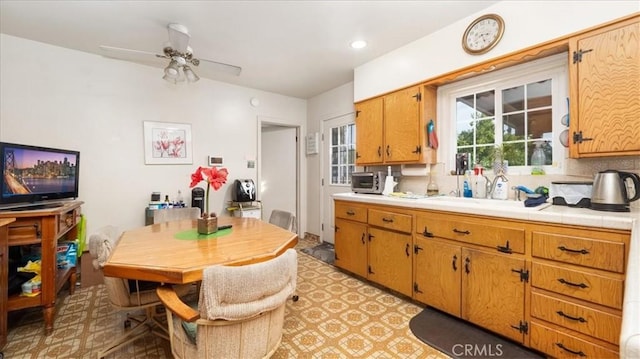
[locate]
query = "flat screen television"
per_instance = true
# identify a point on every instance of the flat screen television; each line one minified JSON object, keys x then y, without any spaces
{"x":35,"y":177}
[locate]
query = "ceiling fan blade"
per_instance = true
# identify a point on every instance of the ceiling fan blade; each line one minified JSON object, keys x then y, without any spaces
{"x":179,"y":37}
{"x":132,"y":55}
{"x":221,"y":67}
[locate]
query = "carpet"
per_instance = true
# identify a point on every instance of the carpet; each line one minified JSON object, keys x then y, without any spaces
{"x":323,"y":251}
{"x":460,"y":339}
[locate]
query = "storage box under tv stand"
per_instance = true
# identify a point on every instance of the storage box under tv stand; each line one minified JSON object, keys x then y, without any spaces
{"x":45,"y":227}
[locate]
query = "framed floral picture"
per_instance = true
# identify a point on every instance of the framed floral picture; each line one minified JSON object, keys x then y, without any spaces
{"x":167,"y":143}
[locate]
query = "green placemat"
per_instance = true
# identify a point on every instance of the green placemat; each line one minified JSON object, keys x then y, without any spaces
{"x":192,"y":234}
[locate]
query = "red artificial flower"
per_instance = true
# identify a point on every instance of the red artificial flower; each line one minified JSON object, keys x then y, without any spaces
{"x":214,"y":176}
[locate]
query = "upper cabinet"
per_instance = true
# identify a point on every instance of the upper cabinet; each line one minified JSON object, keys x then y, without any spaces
{"x":391,"y":129}
{"x":605,"y":91}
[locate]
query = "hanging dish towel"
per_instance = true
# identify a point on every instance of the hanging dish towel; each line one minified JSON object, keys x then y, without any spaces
{"x":431,"y":134}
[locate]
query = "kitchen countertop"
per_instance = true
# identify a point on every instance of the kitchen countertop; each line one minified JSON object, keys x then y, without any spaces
{"x":630,"y":331}
{"x":505,"y":209}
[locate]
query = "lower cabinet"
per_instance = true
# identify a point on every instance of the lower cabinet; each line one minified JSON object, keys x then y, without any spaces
{"x":555,"y":288}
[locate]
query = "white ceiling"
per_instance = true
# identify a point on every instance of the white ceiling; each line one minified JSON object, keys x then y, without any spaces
{"x":294,"y":48}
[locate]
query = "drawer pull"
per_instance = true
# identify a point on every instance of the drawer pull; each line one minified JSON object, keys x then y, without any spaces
{"x":388,"y":220}
{"x":426,"y":233}
{"x":351,"y":213}
{"x":580,"y":353}
{"x":581,"y":251}
{"x":577,"y":319}
{"x":581,"y":285}
{"x":453,"y":263}
{"x":461,"y":232}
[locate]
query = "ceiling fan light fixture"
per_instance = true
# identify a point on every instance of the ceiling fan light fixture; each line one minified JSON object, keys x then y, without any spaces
{"x":189,"y":74}
{"x":172,"y":71}
{"x":358,"y":44}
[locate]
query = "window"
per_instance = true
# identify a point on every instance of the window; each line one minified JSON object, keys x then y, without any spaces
{"x":343,"y":153}
{"x":512,"y":110}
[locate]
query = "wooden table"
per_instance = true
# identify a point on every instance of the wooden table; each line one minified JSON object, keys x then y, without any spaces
{"x":154,"y":252}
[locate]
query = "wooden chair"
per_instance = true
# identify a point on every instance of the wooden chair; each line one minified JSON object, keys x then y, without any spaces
{"x":126,"y":295}
{"x":240,"y":313}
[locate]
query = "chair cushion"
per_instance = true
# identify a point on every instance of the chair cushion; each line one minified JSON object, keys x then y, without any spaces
{"x":191,"y":328}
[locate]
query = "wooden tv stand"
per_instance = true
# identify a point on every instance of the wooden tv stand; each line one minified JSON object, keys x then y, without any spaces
{"x":44,"y":227}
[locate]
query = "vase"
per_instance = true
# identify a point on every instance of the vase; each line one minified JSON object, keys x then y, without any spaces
{"x":207,"y":225}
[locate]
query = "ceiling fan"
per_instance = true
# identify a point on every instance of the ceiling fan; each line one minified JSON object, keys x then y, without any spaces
{"x":179,"y":54}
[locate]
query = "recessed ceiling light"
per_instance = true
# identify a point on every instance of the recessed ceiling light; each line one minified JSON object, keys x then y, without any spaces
{"x":359,"y":44}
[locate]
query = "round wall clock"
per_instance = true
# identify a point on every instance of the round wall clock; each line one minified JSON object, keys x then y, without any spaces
{"x":483,"y":34}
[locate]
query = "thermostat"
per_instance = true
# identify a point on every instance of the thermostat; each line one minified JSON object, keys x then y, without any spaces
{"x":214,"y":161}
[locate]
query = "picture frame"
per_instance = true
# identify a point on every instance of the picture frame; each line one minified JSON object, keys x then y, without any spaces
{"x":167,"y":143}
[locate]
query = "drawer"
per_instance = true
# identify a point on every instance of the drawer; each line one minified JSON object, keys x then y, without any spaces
{"x":24,"y":231}
{"x":510,"y":239}
{"x":561,"y":345}
{"x":390,"y":220}
{"x":577,"y":317}
{"x":586,"y":252}
{"x":588,"y":286}
{"x":349,"y":211}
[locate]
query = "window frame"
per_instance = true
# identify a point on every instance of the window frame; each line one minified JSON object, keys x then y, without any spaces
{"x":554,"y":67}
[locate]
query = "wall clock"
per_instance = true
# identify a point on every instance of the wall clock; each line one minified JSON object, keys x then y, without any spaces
{"x":483,"y":34}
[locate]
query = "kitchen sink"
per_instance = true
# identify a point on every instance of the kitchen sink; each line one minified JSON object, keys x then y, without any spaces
{"x":484,"y":203}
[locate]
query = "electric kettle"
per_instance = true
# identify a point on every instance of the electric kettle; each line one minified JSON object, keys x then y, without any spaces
{"x":609,"y":191}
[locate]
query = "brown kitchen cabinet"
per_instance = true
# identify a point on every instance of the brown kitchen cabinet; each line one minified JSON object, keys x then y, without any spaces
{"x":604,"y":89}
{"x":45,"y":228}
{"x":391,"y":129}
{"x":351,"y":237}
{"x":390,"y":259}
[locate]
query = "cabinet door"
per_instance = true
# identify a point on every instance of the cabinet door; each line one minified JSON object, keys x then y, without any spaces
{"x":369,"y":132}
{"x":351,"y":246}
{"x":390,"y":260}
{"x":492,"y":292}
{"x":4,"y":285}
{"x":437,"y":272}
{"x":402,"y":126}
{"x":605,"y":84}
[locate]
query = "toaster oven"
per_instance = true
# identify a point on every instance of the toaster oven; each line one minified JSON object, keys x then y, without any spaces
{"x":368,"y":182}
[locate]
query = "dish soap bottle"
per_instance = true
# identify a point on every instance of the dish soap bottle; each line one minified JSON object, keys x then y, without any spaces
{"x":538,"y":160}
{"x":466,"y":185}
{"x":432,"y":187}
{"x":389,"y":183}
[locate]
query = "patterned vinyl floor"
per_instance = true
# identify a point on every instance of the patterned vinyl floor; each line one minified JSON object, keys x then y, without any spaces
{"x":337,"y":316}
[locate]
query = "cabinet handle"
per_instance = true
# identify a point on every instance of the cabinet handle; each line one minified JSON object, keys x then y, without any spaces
{"x":379,"y":151}
{"x":388,"y":151}
{"x":406,"y":249}
{"x":461,"y":232}
{"x":371,"y":236}
{"x":362,"y":238}
{"x":581,"y":285}
{"x":336,"y":229}
{"x":467,"y":263}
{"x":580,"y":353}
{"x":350,"y":213}
{"x":581,"y":251}
{"x":427,"y":233}
{"x":577,"y":319}
{"x":369,"y":270}
{"x":388,"y":220}
{"x":417,"y":150}
{"x":453,"y":263}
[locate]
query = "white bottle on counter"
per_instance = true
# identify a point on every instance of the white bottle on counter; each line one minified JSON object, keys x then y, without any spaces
{"x":500,"y":190}
{"x":480,"y":184}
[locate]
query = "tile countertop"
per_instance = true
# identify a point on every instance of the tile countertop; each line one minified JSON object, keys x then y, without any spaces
{"x":505,"y":209}
{"x":630,"y":331}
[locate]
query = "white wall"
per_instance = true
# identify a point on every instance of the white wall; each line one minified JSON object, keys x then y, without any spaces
{"x":57,"y":97}
{"x":328,"y":105}
{"x":527,"y":23}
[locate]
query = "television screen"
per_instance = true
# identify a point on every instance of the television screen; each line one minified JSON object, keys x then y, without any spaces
{"x":34,"y":175}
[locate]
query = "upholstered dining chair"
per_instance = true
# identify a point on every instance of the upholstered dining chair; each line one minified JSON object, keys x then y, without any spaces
{"x":283,"y":219}
{"x":240,"y":311}
{"x":128,"y":295}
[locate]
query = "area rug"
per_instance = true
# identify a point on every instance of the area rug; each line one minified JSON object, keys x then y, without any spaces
{"x":460,"y":339}
{"x":323,"y":251}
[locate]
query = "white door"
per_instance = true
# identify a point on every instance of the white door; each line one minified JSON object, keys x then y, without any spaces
{"x":338,"y":162}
